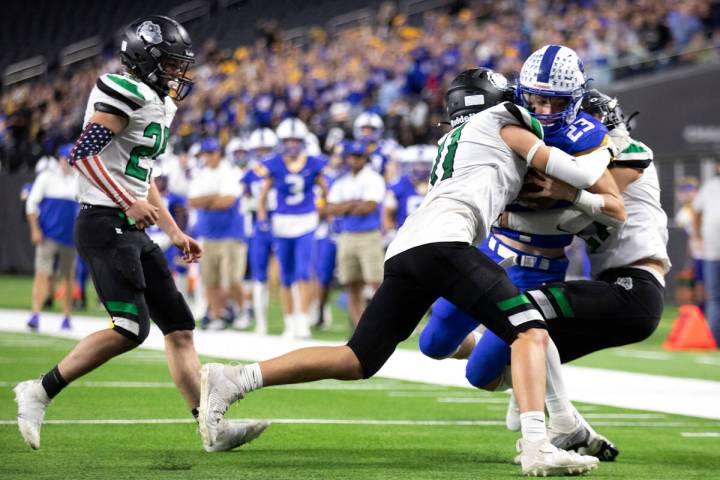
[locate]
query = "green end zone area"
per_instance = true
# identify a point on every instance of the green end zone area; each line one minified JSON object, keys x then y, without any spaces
{"x":398,"y":430}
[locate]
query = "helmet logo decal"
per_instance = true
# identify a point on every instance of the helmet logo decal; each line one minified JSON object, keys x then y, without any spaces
{"x":471,"y":100}
{"x":149,"y":32}
{"x":498,"y":80}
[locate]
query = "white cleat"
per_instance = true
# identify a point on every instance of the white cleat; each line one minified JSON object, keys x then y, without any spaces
{"x":512,"y":416}
{"x":217,"y":392}
{"x":542,"y":458}
{"x":234,"y":434}
{"x":32,"y":402}
{"x":584,"y":440}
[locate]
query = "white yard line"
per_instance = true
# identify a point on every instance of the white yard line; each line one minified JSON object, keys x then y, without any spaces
{"x":336,"y":421}
{"x":700,"y":434}
{"x":681,"y":396}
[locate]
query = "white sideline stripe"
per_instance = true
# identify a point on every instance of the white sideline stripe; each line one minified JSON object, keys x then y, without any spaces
{"x":333,"y":421}
{"x":700,"y":434}
{"x":645,"y":355}
{"x":682,"y":396}
{"x":472,"y":400}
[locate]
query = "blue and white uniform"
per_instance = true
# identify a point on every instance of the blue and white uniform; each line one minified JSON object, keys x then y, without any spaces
{"x":325,"y":247}
{"x":260,"y":239}
{"x":52,"y":198}
{"x":405,"y":196}
{"x":296,"y":217}
{"x":448,"y":325}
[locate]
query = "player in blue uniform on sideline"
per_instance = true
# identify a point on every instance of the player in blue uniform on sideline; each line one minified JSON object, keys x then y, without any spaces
{"x":262,"y":143}
{"x":552,"y":87}
{"x":405,"y":194}
{"x":294,"y":175}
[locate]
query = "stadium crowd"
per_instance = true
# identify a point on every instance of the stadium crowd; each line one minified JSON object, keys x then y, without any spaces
{"x":391,"y":67}
{"x":379,"y":85}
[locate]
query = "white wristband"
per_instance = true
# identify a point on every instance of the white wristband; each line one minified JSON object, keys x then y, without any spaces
{"x":533,"y":150}
{"x":590,"y":203}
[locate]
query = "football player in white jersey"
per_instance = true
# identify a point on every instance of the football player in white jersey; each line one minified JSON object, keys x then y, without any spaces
{"x":629,"y":263}
{"x":479,"y":169}
{"x":125,"y":129}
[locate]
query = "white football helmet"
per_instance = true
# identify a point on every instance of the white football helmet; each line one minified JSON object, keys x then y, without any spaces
{"x":292,"y":128}
{"x":368,"y":120}
{"x":262,"y":138}
{"x":236,"y":144}
{"x":553,"y":71}
{"x":416,"y":161}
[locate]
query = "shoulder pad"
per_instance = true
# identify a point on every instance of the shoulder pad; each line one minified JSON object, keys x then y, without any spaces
{"x":635,"y":155}
{"x":510,"y":114}
{"x":133,"y":93}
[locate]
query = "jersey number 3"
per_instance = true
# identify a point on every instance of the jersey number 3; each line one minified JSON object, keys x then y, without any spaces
{"x":160,"y":137}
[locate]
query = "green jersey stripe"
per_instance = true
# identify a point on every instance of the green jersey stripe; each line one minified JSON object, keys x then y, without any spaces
{"x":562,"y":302}
{"x":512,"y":302}
{"x":121,"y":307}
{"x":127,"y":85}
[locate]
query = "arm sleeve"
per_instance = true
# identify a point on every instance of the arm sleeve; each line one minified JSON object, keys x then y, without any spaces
{"x":85,"y":157}
{"x":581,"y":172}
{"x":37,"y":193}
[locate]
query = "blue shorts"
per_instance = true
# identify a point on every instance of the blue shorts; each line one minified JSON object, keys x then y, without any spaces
{"x":324,"y":259}
{"x":259,"y":250}
{"x":448,"y":325}
{"x":294,"y":256}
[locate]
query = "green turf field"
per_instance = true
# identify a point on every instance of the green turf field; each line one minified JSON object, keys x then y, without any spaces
{"x":652,"y":445}
{"x":645,"y":357}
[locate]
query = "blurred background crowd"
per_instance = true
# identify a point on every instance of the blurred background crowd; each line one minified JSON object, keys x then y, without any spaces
{"x":384,"y":64}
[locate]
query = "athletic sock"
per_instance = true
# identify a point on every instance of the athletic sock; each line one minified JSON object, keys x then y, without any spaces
{"x":53,"y":382}
{"x":560,"y":410}
{"x":249,"y":377}
{"x":532,"y":425}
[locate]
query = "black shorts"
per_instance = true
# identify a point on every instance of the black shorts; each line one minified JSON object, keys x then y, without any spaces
{"x":414,"y":279}
{"x":621,"y":307}
{"x":130,"y":274}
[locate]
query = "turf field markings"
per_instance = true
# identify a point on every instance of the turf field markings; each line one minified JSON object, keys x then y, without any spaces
{"x":705,"y":360}
{"x":441,"y":393}
{"x":368,"y":422}
{"x":624,"y":415}
{"x":472,"y":400}
{"x":643,"y":354}
{"x":700,"y":434}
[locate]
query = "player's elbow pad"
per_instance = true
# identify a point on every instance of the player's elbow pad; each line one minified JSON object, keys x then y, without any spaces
{"x":581,"y":172}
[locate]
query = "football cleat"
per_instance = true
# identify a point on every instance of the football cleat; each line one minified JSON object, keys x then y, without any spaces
{"x":512,"y":416}
{"x":542,"y":458}
{"x":584,"y":440}
{"x":32,"y":402}
{"x":66,"y":324}
{"x":217,"y":392}
{"x":234,"y":434}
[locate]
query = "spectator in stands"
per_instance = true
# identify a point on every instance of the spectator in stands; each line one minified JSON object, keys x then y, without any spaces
{"x":707,"y":234}
{"x":51,"y":210}
{"x":690,"y":288}
{"x":215,"y":192}
{"x":355,"y":198}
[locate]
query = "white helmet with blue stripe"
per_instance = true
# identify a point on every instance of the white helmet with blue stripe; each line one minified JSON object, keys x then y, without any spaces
{"x":262,"y":138}
{"x":292,"y":128}
{"x":369,"y":120}
{"x":553,"y":71}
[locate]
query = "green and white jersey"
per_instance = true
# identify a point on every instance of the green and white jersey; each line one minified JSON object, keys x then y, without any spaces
{"x":130,"y":155}
{"x":474,"y":176}
{"x":645,"y":232}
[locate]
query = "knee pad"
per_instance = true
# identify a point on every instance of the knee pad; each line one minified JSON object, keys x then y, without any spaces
{"x":487,"y":361}
{"x":136,"y":331}
{"x":447,"y":328}
{"x":434,"y":344}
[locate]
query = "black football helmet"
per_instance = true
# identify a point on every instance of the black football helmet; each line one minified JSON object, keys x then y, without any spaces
{"x":607,"y":109}
{"x":475,"y":90}
{"x":158,"y":51}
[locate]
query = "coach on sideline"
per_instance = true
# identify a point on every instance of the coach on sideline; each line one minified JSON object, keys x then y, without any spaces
{"x":355,"y":199}
{"x":51,"y":210}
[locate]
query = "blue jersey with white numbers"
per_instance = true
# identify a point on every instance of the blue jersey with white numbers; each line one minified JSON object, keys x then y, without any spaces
{"x":584,"y":135}
{"x":295,"y":193}
{"x":408,"y":198}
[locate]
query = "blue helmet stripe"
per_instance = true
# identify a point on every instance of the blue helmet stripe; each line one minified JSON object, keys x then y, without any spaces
{"x":546,"y":63}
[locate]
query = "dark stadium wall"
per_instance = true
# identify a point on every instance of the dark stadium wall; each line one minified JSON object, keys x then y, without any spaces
{"x":16,"y":250}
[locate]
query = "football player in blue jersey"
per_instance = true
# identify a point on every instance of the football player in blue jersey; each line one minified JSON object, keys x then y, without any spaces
{"x":551,"y":86}
{"x":368,"y":127}
{"x":405,"y":194}
{"x":294,"y":174}
{"x":261,"y":144}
